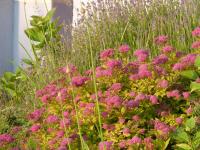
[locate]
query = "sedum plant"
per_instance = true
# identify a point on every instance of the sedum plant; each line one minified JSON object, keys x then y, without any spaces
{"x":120,"y":104}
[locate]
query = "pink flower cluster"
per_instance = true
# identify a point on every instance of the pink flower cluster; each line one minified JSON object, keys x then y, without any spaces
{"x":134,"y":99}
{"x":6,"y":139}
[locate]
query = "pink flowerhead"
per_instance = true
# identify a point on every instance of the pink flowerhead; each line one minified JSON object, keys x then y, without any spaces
{"x":186,"y":95}
{"x":66,"y":114}
{"x":161,"y":40}
{"x":179,"y":120}
{"x":140,"y":97}
{"x":65,"y":123}
{"x":134,"y":77}
{"x":135,"y":140}
{"x":62,"y":148}
{"x":143,"y":71}
{"x":114,"y":64}
{"x":35,"y":128}
{"x":161,"y":126}
{"x":197,"y":80}
{"x":65,"y":141}
{"x":163,"y":84}
{"x":122,"y":120}
{"x":148,"y":140}
{"x":114,"y":101}
{"x":6,"y":139}
{"x":174,"y":93}
{"x":153,"y":99}
{"x":52,"y":119}
{"x":132,"y":94}
{"x":105,"y":145}
{"x":106,"y":53}
{"x":196,"y":45}
{"x":60,"y":134}
{"x":104,"y":114}
{"x":159,"y":70}
{"x":141,"y":55}
{"x":132,"y":103}
{"x":122,"y":144}
{"x":161,"y":59}
{"x":189,"y":110}
{"x":108,"y":127}
{"x":79,"y":80}
{"x":196,"y":32}
{"x":126,"y":131}
{"x":45,"y":99}
{"x":167,"y":49}
{"x":136,"y":118}
{"x":100,"y":72}
{"x":36,"y":115}
{"x":116,"y":87}
{"x":124,"y":48}
{"x":178,"y":67}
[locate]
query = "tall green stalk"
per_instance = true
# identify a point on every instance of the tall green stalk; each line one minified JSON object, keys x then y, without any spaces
{"x":95,"y":88}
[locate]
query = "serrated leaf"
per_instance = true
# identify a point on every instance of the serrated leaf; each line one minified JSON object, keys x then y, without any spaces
{"x":197,"y":62}
{"x":181,"y":135}
{"x":189,"y":74}
{"x":184,"y":146}
{"x":195,"y":86}
{"x":190,"y":123}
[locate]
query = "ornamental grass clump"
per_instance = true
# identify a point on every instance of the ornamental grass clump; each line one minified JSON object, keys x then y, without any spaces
{"x":140,"y":102}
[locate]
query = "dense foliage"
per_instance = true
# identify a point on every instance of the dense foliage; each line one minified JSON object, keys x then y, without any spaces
{"x":141,"y":93}
{"x":119,"y":104}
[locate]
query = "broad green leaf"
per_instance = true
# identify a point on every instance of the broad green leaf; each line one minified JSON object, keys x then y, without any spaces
{"x":195,"y":86}
{"x":190,"y":74}
{"x":181,"y":136}
{"x":184,"y":146}
{"x":9,"y":75}
{"x":197,"y":62}
{"x":50,"y":14}
{"x":35,"y":34}
{"x":190,"y":123}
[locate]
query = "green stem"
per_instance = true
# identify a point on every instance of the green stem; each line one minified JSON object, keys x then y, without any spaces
{"x":95,"y":88}
{"x":77,"y":118}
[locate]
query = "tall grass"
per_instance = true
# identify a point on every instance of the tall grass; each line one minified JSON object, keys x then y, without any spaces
{"x":113,"y":23}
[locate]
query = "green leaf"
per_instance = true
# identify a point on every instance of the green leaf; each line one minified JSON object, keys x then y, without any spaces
{"x":197,"y":62}
{"x":190,"y":74}
{"x":166,"y":144}
{"x":190,"y":123}
{"x":184,"y":146}
{"x":195,"y":86}
{"x":35,"y":34}
{"x":9,"y":75}
{"x":181,"y":135}
{"x":50,"y":14}
{"x":27,"y":61}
